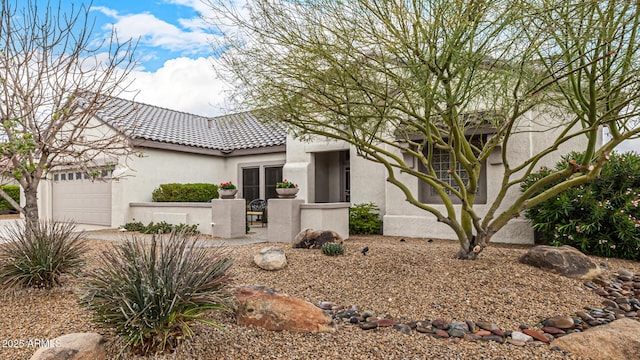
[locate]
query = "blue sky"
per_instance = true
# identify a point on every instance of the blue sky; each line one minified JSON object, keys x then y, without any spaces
{"x":167,"y":29}
{"x":174,"y":55}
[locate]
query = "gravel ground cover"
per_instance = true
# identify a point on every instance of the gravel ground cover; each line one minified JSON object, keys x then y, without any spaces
{"x":404,"y":279}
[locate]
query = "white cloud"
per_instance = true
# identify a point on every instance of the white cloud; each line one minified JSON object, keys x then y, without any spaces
{"x":191,"y":38}
{"x":198,"y":5}
{"x":183,"y":84}
{"x":105,"y":10}
{"x":157,"y":33}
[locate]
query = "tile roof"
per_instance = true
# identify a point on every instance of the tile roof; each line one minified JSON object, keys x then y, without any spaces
{"x":225,"y":133}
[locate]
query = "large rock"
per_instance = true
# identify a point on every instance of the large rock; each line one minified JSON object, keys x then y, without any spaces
{"x":616,"y":340}
{"x":264,"y":307}
{"x":271,"y":258}
{"x":565,"y":260}
{"x":314,"y":239}
{"x":77,"y":346}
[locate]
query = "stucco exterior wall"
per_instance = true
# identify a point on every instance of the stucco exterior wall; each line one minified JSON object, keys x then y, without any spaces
{"x":141,"y":175}
{"x":136,"y":178}
{"x":300,"y":167}
{"x":535,"y":133}
{"x":163,"y":166}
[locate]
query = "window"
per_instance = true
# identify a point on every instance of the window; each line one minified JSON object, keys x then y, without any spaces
{"x":251,"y":183}
{"x":272,"y":175}
{"x":63,"y":177}
{"x":70,"y":176}
{"x":56,"y":177}
{"x":441,"y":162}
{"x":78,"y":176}
{"x":258,"y":181}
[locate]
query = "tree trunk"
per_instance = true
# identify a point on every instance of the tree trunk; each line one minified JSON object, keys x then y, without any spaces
{"x":470,"y":249}
{"x":31,"y":207}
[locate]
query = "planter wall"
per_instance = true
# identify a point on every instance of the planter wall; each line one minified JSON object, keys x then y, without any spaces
{"x":173,"y":213}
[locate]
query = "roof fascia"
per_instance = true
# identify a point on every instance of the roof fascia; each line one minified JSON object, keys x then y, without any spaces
{"x":212,"y":152}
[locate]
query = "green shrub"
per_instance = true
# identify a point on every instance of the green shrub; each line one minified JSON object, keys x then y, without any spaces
{"x":152,"y":293}
{"x":40,"y":257}
{"x":332,"y":249}
{"x":134,"y":226}
{"x":14,"y":192}
{"x":164,"y":228}
{"x":160,"y":228}
{"x":600,"y":218}
{"x":185,"y":193}
{"x":365,"y":219}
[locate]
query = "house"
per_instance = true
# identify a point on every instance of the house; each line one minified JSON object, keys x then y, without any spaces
{"x":185,"y":148}
{"x":172,"y":147}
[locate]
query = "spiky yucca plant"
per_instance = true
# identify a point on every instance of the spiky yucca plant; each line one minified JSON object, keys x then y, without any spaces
{"x":332,"y":249}
{"x":151,"y":293}
{"x":40,"y":256}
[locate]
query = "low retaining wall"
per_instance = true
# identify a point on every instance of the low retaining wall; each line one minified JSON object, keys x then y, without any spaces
{"x":326,"y":216}
{"x":190,"y":213}
{"x":286,"y":217}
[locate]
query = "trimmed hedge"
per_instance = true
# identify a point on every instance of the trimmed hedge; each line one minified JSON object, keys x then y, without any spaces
{"x":14,"y":192}
{"x":199,"y":192}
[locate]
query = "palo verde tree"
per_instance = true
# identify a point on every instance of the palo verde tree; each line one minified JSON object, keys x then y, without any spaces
{"x":54,"y":79}
{"x":436,"y":82}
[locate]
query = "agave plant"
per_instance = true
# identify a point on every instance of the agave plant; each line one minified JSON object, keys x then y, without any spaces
{"x":152,"y":293}
{"x":39,"y":256}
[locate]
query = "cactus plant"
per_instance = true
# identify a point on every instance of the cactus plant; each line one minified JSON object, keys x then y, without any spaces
{"x":332,"y":249}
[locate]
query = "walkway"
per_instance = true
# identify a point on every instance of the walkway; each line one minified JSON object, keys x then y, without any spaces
{"x":256,"y":235}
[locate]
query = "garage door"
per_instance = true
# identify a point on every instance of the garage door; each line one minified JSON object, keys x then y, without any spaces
{"x":76,"y":197}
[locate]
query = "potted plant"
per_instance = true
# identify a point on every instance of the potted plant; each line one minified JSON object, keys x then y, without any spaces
{"x":227,"y":190}
{"x":286,"y":189}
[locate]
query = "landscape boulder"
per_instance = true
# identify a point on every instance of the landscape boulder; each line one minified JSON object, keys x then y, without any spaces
{"x":271,"y":258}
{"x":565,"y":260}
{"x":76,"y":346}
{"x":261,"y":306}
{"x":616,"y":340}
{"x":314,"y":239}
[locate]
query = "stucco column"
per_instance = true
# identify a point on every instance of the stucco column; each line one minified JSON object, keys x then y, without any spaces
{"x":284,"y":219}
{"x":228,"y":218}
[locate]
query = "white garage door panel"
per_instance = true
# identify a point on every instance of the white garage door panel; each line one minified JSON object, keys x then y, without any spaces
{"x":84,"y":201}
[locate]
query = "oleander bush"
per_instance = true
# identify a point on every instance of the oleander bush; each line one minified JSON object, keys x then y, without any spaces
{"x":364,"y":218}
{"x":198,"y":192}
{"x":151,"y":293}
{"x":42,"y":256}
{"x":600,"y":218}
{"x":14,"y":192}
{"x":161,"y":227}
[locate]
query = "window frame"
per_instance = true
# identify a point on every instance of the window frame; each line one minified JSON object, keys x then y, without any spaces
{"x":261,"y":166}
{"x":427,"y":193}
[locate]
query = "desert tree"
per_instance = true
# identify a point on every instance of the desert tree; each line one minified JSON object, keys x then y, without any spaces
{"x":54,"y":79}
{"x":405,"y":82}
